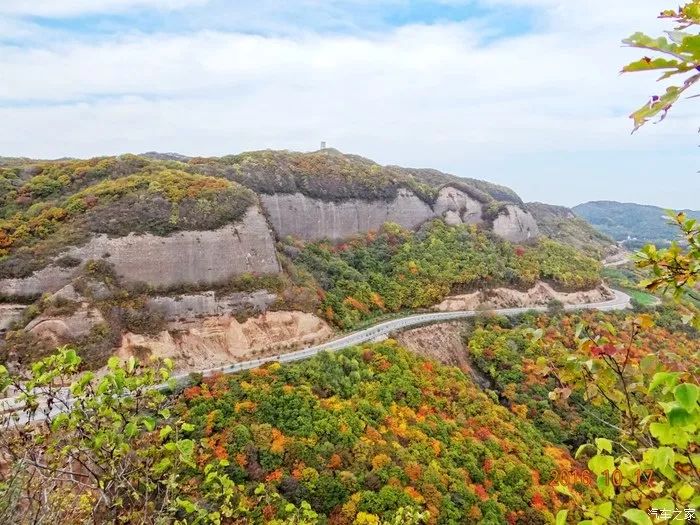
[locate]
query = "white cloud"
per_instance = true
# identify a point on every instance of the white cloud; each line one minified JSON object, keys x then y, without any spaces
{"x":64,"y":8}
{"x":415,"y":95}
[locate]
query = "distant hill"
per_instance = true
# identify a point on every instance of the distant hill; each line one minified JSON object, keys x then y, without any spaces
{"x":631,"y":224}
{"x":561,"y":224}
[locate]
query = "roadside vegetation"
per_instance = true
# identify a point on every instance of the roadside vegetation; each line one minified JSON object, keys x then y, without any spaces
{"x":397,"y":269}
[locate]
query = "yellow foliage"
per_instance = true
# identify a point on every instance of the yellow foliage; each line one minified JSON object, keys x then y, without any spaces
{"x":278,"y":442}
{"x":246,"y":406}
{"x":363,"y":518}
{"x":380,"y":461}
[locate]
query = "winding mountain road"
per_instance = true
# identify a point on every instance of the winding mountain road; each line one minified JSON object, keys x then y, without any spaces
{"x":619,"y":302}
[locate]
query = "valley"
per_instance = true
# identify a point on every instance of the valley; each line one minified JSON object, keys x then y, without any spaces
{"x":289,"y":334}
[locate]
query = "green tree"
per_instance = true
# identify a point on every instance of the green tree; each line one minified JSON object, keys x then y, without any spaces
{"x":101,"y":449}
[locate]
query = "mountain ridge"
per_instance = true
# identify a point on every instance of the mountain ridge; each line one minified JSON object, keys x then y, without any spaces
{"x":632,"y":224}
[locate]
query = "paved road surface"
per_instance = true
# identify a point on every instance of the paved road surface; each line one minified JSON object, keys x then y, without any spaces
{"x":619,"y":302}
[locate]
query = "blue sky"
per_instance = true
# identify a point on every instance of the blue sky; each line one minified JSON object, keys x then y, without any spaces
{"x":521,"y":92}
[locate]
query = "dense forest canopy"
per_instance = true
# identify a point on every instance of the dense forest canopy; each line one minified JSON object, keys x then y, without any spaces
{"x":397,"y":269}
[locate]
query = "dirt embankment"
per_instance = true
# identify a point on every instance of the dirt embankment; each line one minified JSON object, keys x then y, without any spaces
{"x":444,"y":343}
{"x":215,"y":341}
{"x":539,"y":295}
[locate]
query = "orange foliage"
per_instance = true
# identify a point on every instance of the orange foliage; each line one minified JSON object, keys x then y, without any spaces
{"x":244,"y":406}
{"x":298,"y":470}
{"x":413,"y":471}
{"x":377,"y":300}
{"x":383,"y":365}
{"x":357,"y":305}
{"x":373,"y":435}
{"x":481,"y":493}
{"x":335,"y":462}
{"x":519,"y":410}
{"x":483,"y":433}
{"x":414,"y":494}
{"x":538,"y":501}
{"x":5,"y":241}
{"x":220,"y":452}
{"x":192,"y":392}
{"x":278,"y":442}
{"x":475,"y":513}
{"x":275,"y":475}
{"x":562,"y":458}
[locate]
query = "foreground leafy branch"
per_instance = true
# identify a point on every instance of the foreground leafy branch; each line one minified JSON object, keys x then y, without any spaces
{"x":680,"y":55}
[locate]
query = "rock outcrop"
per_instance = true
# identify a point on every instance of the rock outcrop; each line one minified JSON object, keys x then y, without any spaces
{"x":444,"y":343}
{"x":185,"y":308}
{"x":314,"y":219}
{"x":457,"y":207}
{"x":189,"y":257}
{"x":215,"y":341}
{"x":9,"y":315}
{"x":61,"y":329}
{"x":539,"y":295}
{"x":515,"y":225}
{"x":46,"y":280}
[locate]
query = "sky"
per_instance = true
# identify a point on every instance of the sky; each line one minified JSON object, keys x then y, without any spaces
{"x":525,"y":93}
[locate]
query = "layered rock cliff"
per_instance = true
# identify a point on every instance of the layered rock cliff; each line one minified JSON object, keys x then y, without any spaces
{"x":313,"y":219}
{"x":214,"y":341}
{"x":189,"y":257}
{"x":310,"y":218}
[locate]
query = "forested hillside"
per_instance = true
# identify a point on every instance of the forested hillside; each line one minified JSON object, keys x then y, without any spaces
{"x":372,"y":434}
{"x":634,"y":225}
{"x":370,"y":430}
{"x":397,"y":269}
{"x":561,"y":224}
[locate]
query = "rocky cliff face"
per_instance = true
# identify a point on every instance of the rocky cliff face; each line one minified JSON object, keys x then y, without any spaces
{"x":60,"y":330}
{"x":220,"y":340}
{"x":186,"y":308}
{"x":515,"y":225}
{"x":189,"y":257}
{"x":457,"y":207}
{"x":313,"y":219}
{"x":444,"y":343}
